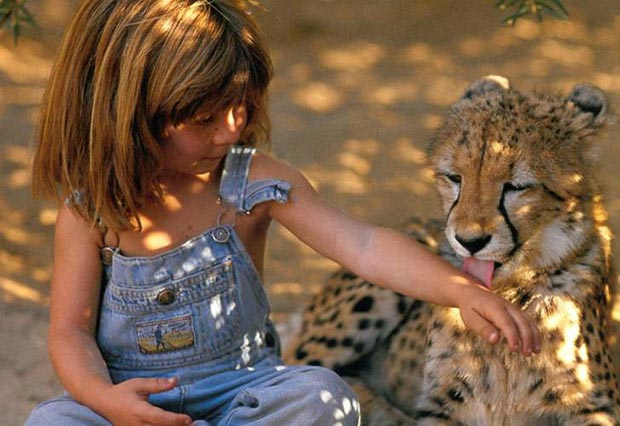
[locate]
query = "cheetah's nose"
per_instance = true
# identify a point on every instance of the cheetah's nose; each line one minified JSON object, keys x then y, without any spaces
{"x":474,"y":245}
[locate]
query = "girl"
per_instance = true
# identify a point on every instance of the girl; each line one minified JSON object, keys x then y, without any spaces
{"x":158,"y":315}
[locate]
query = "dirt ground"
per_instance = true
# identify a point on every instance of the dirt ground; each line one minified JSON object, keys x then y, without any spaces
{"x":360,"y":87}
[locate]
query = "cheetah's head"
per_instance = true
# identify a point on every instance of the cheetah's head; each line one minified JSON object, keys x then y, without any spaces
{"x":515,"y":173}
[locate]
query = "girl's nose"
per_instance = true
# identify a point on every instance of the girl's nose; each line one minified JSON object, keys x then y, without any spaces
{"x":230,"y":126}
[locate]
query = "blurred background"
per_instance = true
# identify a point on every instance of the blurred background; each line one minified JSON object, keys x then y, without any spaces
{"x":360,"y":87}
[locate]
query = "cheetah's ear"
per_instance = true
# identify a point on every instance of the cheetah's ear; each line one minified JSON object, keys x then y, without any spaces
{"x":490,"y":83}
{"x":591,"y":101}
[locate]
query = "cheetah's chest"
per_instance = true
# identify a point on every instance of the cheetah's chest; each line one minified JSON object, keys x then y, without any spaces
{"x":470,"y":369}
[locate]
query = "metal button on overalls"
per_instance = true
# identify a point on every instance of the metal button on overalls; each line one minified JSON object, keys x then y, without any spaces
{"x":107,"y":254}
{"x":166,"y":297}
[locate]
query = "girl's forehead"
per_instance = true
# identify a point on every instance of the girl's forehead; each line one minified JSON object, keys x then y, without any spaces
{"x":214,"y":108}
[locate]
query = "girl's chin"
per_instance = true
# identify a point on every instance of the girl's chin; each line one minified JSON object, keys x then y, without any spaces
{"x":206,"y":165}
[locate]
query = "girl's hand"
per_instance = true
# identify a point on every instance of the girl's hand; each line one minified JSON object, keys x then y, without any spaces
{"x":489,"y":315}
{"x":130,"y":406}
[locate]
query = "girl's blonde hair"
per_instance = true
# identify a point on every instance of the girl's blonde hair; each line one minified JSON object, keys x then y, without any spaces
{"x":128,"y":68}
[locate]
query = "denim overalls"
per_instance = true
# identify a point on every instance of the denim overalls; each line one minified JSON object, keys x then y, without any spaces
{"x":199,"y":312}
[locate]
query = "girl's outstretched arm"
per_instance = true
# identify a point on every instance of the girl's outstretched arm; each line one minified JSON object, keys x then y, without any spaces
{"x":395,"y":261}
{"x":74,"y":302}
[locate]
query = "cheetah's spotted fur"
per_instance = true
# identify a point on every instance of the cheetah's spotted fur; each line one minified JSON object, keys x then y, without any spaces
{"x":517,"y":167}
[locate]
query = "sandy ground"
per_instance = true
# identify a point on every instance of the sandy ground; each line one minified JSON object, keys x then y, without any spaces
{"x":360,"y":86}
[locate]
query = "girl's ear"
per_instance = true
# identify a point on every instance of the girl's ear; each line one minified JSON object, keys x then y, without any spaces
{"x":490,"y":83}
{"x":591,"y":101}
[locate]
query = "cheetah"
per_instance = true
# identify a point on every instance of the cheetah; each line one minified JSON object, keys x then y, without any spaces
{"x":516,"y":176}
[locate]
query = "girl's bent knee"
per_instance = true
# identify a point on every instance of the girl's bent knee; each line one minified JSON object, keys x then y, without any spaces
{"x":301,"y":396}
{"x":327,"y":379}
{"x":336,"y":401}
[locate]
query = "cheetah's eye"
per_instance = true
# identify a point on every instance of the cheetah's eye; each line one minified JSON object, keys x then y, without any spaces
{"x":515,"y":187}
{"x":453,"y":178}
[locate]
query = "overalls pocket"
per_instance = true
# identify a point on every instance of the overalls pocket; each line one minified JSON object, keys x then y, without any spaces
{"x":173,"y":323}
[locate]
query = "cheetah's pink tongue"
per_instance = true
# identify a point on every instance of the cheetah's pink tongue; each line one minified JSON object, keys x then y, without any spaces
{"x":481,"y":269}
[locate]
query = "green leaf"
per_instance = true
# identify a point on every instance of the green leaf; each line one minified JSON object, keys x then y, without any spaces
{"x":14,"y":13}
{"x":561,"y":6}
{"x":16,"y":31}
{"x":514,"y":17}
{"x":553,"y":12}
{"x":26,"y":16}
{"x":538,"y":8}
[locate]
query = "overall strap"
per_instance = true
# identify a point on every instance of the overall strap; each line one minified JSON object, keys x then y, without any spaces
{"x":235,"y":176}
{"x":241,"y":195}
{"x":266,"y":190}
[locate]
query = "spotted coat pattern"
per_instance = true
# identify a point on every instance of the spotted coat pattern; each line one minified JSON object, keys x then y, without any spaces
{"x":517,"y":176}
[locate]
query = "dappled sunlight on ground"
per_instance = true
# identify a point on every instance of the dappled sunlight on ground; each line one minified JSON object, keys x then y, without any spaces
{"x":25,"y":225}
{"x":24,"y":67}
{"x":317,"y":97}
{"x":13,"y":291}
{"x":360,"y":87}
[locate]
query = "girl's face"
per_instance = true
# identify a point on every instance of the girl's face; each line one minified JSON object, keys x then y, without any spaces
{"x":199,"y":145}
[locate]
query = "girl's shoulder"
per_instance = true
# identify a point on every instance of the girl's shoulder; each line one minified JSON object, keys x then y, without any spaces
{"x":265,"y":166}
{"x":72,"y":226}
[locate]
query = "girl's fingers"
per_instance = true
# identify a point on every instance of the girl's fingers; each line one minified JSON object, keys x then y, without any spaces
{"x":482,"y":326}
{"x":528,"y":331}
{"x":499,"y":318}
{"x":490,"y":333}
{"x":526,"y":335}
{"x":152,"y":385}
{"x":492,"y":313}
{"x":142,"y":411}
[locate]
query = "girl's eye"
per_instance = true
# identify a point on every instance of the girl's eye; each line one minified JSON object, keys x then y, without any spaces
{"x":514,"y":187}
{"x":205,"y":120}
{"x":453,"y":178}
